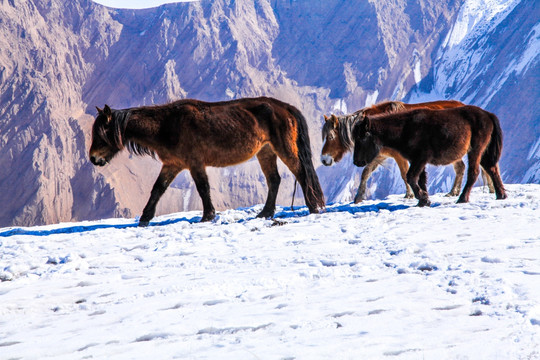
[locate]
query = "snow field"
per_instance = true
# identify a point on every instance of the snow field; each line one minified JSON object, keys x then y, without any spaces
{"x":379,"y":280}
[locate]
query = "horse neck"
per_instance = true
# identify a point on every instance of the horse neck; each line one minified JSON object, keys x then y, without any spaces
{"x":387,"y":128}
{"x":141,"y":131}
{"x":346,"y":124}
{"x":141,"y":125}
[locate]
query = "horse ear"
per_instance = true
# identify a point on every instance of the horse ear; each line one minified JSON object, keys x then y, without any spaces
{"x":334,"y":120}
{"x":107,"y":110}
{"x":100,"y":111}
{"x":325,"y":118}
{"x":367,"y":123}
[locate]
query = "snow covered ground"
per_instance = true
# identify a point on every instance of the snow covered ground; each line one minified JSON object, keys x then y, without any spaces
{"x":379,"y":280}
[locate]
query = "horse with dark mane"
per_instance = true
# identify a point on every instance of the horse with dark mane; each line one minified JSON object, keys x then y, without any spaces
{"x":191,"y":134}
{"x":438,"y":137}
{"x":337,"y":139}
{"x":336,"y":134}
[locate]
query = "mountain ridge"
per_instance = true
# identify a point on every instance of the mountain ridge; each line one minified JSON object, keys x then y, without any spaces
{"x":60,"y":60}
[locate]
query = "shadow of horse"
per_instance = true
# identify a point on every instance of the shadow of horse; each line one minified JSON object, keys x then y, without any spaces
{"x":298,"y":212}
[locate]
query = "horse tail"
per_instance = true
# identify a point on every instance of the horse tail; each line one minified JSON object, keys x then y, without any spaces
{"x":493,"y":151}
{"x":312,"y":191}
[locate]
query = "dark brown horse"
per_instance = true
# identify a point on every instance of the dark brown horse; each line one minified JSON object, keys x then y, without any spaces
{"x":337,"y":138}
{"x":191,"y":134}
{"x":438,"y":137}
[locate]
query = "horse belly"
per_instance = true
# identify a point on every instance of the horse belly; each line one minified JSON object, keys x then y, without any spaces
{"x":232,"y":154}
{"x":450,"y":150}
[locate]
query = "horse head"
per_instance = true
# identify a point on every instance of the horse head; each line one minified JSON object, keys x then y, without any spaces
{"x":366,"y":145}
{"x":333,"y":149}
{"x":105,"y":140}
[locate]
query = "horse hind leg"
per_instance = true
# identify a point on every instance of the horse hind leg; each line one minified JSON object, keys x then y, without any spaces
{"x":492,"y":172}
{"x":472,"y":175}
{"x":459,"y":169}
{"x":488,"y":180}
{"x":422,"y":180}
{"x":203,"y":187}
{"x":307,"y":178}
{"x":166,"y":176}
{"x":268,"y":161}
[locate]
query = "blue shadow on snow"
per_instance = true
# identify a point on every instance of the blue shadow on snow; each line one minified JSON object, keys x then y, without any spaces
{"x":299,"y":211}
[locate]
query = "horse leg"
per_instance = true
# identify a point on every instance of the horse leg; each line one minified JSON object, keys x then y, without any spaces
{"x":203,"y":187}
{"x":417,"y":172}
{"x":459,"y":168}
{"x":487,"y":179}
{"x":366,"y":173}
{"x":493,"y":173}
{"x":166,"y":176}
{"x":403,"y":166}
{"x":294,"y":165}
{"x":422,"y":180}
{"x":472,"y":175}
{"x":268,"y":161}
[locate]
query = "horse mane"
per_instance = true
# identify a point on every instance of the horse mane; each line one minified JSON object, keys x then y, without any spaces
{"x":344,"y":129}
{"x":119,"y":122}
{"x":346,"y":122}
{"x":385,"y":107}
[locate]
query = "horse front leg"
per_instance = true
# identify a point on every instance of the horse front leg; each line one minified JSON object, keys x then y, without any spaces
{"x":415,"y":174}
{"x":366,"y":173}
{"x":403,"y":166}
{"x":203,"y":187}
{"x":165,"y":178}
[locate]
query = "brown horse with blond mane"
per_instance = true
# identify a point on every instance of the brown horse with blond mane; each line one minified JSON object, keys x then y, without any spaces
{"x":192,"y":134}
{"x":438,"y":137}
{"x":336,"y":134}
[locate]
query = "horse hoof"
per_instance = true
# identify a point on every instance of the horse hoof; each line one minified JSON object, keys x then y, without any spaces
{"x":423,"y":203}
{"x":207,"y":218}
{"x":321,"y":210}
{"x":462,"y":201}
{"x":144,"y":223}
{"x":266,"y":214}
{"x":357,"y":200}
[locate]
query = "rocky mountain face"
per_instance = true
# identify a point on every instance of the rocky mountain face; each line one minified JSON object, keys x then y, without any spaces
{"x":60,"y":59}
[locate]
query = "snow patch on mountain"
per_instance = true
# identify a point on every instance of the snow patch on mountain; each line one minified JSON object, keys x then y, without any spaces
{"x":461,"y":56}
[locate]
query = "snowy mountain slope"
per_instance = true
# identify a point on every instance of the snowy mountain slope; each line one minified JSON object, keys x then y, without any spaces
{"x":486,"y":62}
{"x":490,"y":57}
{"x":383,"y":279}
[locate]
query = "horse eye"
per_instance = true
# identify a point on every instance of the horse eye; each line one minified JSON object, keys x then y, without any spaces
{"x":368,"y":133}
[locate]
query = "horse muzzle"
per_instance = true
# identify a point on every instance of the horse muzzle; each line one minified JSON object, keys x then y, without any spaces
{"x":359,"y":163}
{"x":98,"y":161}
{"x":327,"y":160}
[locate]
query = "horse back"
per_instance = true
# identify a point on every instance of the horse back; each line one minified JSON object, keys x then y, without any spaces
{"x":221,"y":133}
{"x":440,"y":136}
{"x":437,"y":105}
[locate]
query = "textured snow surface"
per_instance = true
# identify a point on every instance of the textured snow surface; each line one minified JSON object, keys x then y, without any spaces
{"x":379,"y":280}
